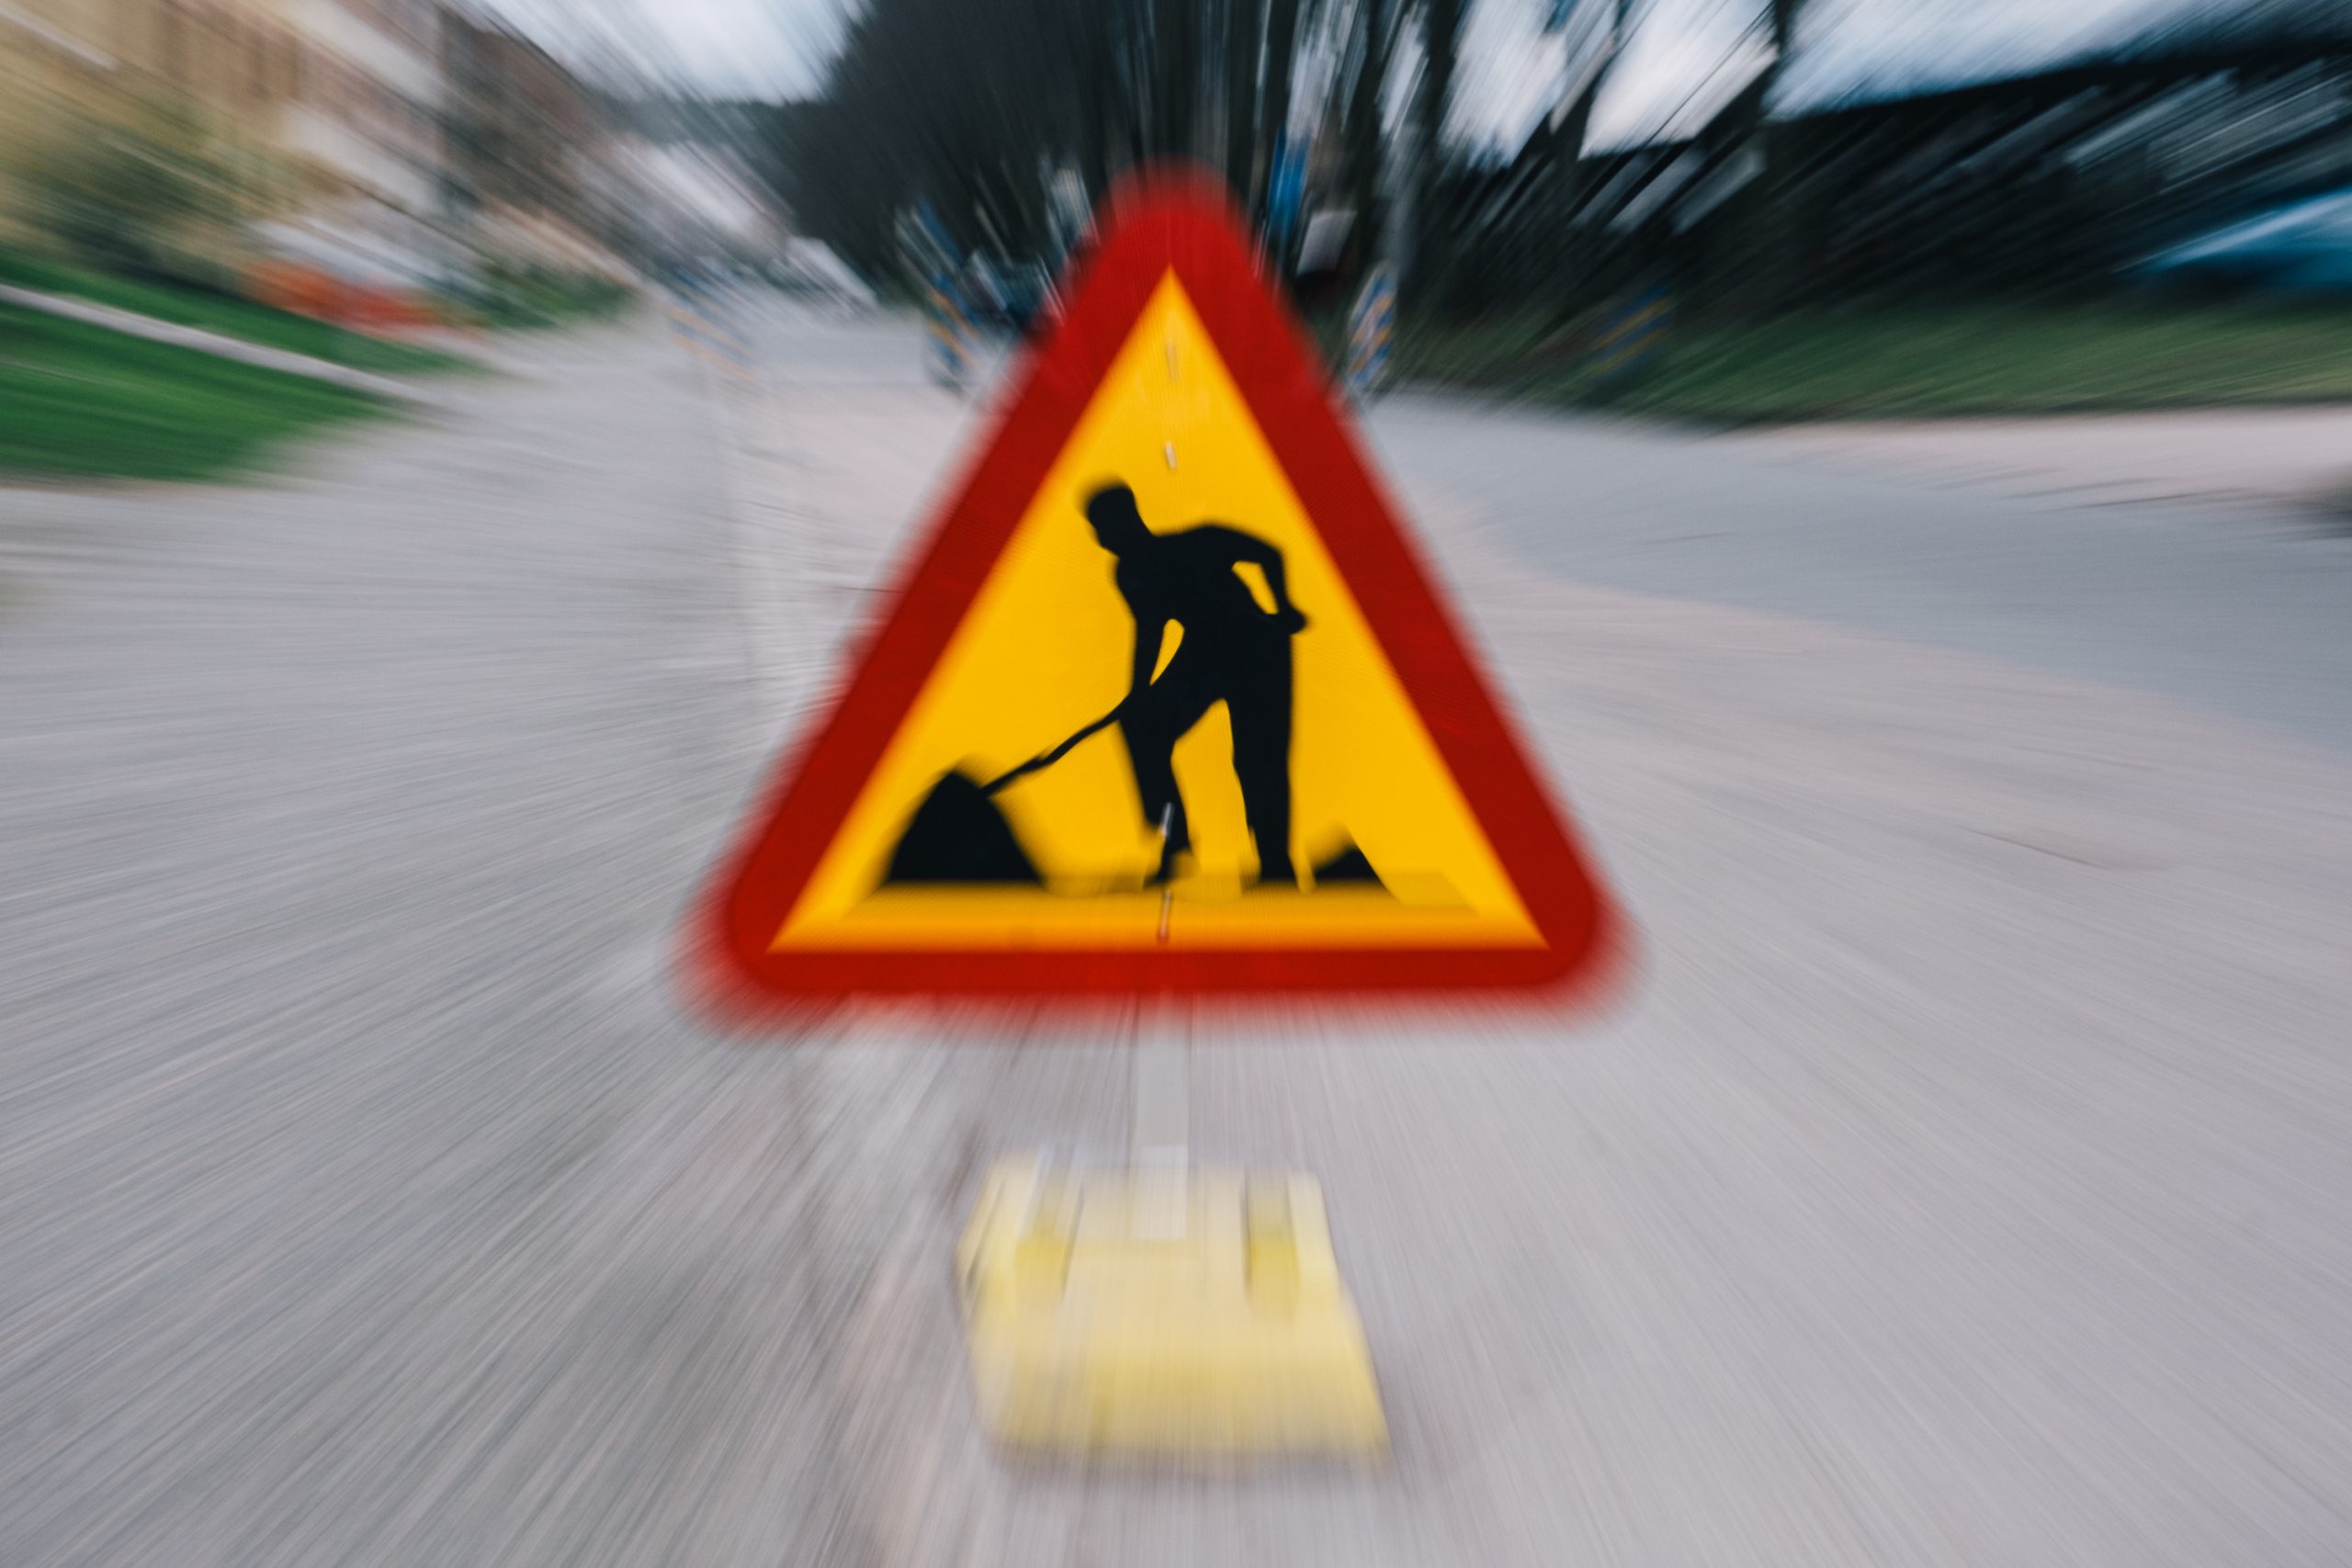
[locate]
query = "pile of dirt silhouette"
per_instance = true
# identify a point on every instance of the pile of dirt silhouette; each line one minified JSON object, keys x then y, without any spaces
{"x":959,"y":836}
{"x":1348,"y":866}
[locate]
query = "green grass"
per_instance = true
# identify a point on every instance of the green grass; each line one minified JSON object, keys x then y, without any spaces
{"x":78,"y":400}
{"x":229,"y":317}
{"x":1925,"y":362}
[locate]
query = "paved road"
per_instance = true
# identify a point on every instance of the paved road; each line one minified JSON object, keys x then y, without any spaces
{"x":2238,"y":609}
{"x":1962,"y":1183}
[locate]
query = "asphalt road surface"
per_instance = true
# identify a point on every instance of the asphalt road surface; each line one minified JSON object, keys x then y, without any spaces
{"x":1961,"y":1180}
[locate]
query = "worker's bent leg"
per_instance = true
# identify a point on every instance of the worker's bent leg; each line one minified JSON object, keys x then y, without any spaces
{"x":1260,"y":705}
{"x":1151,"y":752}
{"x":1157,"y":719}
{"x":1151,"y":748}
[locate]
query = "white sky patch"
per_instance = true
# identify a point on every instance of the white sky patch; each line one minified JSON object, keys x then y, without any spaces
{"x":1880,"y":48}
{"x":1508,"y":75}
{"x":1684,"y":60}
{"x":766,"y":48}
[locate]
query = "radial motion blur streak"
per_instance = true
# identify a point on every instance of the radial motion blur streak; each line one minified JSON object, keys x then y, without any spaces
{"x":1891,"y":459}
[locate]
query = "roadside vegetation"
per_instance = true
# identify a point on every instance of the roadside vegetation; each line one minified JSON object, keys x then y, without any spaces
{"x":149,"y":216}
{"x":149,"y":213}
{"x":212,"y":312}
{"x":516,"y":298}
{"x":80,"y":401}
{"x":1915,"y":362}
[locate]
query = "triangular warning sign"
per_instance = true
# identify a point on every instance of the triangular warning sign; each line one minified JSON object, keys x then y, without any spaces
{"x":1167,"y":703}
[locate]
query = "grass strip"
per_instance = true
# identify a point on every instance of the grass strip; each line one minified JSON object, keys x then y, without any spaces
{"x":78,"y":400}
{"x":1922,"y":362}
{"x":229,"y":317}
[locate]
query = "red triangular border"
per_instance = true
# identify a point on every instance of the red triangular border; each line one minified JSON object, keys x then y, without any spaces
{"x":1181,"y":220}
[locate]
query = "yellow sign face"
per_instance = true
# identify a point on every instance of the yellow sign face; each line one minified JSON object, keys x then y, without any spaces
{"x":1333,"y":761}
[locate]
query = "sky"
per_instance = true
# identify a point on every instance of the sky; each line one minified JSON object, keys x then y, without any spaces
{"x":771,"y":47}
{"x":1685,"y":57}
{"x":767,"y":49}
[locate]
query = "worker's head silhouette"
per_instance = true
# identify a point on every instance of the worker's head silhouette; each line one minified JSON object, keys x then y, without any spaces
{"x":1117,"y":523}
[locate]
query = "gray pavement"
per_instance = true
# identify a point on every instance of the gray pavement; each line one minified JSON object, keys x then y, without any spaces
{"x":2237,"y":608}
{"x":1961,"y":1181}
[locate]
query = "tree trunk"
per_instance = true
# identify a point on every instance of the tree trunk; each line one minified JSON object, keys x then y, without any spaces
{"x":1441,"y":30}
{"x":1359,"y":121}
{"x":1244,"y":22}
{"x":1274,"y":116}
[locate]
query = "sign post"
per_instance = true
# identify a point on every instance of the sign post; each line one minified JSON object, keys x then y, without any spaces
{"x":1372,"y":327}
{"x":934,"y":266}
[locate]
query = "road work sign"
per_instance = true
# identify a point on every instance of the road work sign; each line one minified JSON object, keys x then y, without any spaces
{"x":1166,"y":703}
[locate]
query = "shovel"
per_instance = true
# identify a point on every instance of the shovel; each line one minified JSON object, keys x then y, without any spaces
{"x":1047,"y":758}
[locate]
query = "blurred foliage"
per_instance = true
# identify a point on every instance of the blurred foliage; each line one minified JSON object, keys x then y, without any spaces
{"x":504,"y":295}
{"x":1919,"y":362}
{"x":2047,"y":179}
{"x":973,"y":106}
{"x":83,"y":401}
{"x":156,"y":194}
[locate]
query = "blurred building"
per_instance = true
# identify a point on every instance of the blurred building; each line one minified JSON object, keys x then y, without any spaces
{"x":232,"y":60}
{"x":529,"y":147}
{"x":178,"y":72}
{"x":363,"y":129}
{"x":344,"y":157}
{"x":551,"y":170}
{"x":691,"y":202}
{"x":309,"y":128}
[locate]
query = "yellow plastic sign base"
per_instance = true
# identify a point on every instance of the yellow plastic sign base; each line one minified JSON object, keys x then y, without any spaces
{"x":1189,"y":1315}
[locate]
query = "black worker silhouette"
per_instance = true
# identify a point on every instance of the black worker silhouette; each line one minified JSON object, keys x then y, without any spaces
{"x":1231,"y":652}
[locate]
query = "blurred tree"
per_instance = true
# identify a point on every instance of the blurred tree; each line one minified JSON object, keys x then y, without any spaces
{"x":1280,"y":69}
{"x":157,"y":194}
{"x":1754,"y":263}
{"x":1434,"y":239}
{"x":974,"y":106}
{"x":1245,"y":29}
{"x":1570,"y":258}
{"x":1367,"y":33}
